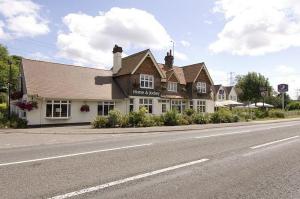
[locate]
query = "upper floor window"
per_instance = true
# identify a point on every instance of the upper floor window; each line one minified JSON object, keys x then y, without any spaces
{"x":221,"y":94}
{"x":172,"y":86}
{"x":58,"y":109}
{"x":146,"y":81}
{"x":201,"y":87}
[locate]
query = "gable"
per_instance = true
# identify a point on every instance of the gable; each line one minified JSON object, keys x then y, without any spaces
{"x":147,"y":67}
{"x":203,"y":77}
{"x":173,"y":78}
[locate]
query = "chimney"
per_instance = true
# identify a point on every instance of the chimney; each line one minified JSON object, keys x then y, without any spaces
{"x":169,"y":59}
{"x":117,"y":62}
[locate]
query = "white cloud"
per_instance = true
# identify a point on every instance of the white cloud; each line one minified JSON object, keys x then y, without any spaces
{"x":180,"y":56}
{"x":208,"y":22}
{"x":92,"y":45}
{"x":185,"y":43}
{"x":39,"y":56}
{"x":21,"y":19}
{"x":219,"y":76}
{"x":257,"y":27}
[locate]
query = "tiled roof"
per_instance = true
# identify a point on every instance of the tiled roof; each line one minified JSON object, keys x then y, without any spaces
{"x":130,"y":62}
{"x":191,"y":71}
{"x":216,"y":88}
{"x":228,"y":89}
{"x":52,"y":80}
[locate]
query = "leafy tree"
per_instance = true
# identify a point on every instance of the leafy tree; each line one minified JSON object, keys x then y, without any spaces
{"x":250,"y":85}
{"x":276,"y":100}
{"x":4,"y":69}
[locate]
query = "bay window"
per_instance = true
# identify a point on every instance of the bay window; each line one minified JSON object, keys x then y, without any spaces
{"x":178,"y":105}
{"x":146,"y":81}
{"x":58,"y":109}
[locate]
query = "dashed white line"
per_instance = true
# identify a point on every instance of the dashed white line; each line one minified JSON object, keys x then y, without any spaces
{"x":74,"y":154}
{"x":274,"y":142}
{"x":223,"y":134}
{"x":136,"y":177}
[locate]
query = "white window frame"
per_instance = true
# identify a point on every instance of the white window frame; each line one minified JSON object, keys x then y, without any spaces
{"x":60,"y":103}
{"x":201,"y":106}
{"x":146,"y":81}
{"x":172,"y":86}
{"x":103,"y":104}
{"x":145,"y":102}
{"x":221,"y":96}
{"x":131,"y":104}
{"x":201,"y":87}
{"x":179,"y":103}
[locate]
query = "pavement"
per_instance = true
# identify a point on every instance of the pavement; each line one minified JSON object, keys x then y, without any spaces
{"x":250,"y":161}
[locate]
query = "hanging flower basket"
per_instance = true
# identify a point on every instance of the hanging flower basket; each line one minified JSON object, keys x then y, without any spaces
{"x":27,"y":106}
{"x":85,"y":108}
{"x":16,"y":95}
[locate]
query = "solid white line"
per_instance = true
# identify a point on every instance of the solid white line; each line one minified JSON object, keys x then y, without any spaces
{"x":106,"y":185}
{"x":269,"y":143}
{"x":222,"y":134}
{"x":74,"y":154}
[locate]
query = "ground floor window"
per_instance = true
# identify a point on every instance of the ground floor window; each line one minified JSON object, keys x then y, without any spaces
{"x":147,"y":103}
{"x":105,"y":107}
{"x":201,"y":106}
{"x":191,"y":104}
{"x":58,"y":108}
{"x":131,"y":105}
{"x":178,"y":105}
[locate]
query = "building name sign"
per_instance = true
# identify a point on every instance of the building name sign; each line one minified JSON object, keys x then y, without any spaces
{"x":283,"y":88}
{"x":148,"y":93}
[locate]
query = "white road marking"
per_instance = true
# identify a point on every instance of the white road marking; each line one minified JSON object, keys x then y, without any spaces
{"x":274,"y":142}
{"x":74,"y":154}
{"x":223,"y":134}
{"x":136,"y":177}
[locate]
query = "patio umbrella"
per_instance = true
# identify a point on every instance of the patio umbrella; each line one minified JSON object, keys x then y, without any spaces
{"x":260,"y":104}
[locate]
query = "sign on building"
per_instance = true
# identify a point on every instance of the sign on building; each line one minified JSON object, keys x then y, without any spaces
{"x":146,"y":93}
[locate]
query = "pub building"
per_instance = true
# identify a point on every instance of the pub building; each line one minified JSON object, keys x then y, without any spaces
{"x":67,"y":94}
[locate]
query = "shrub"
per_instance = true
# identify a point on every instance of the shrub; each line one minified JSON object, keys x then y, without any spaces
{"x":182,"y":120}
{"x":189,"y":112}
{"x":136,"y":118}
{"x":224,"y":116}
{"x":3,"y":107}
{"x":188,"y":118}
{"x":276,"y":114}
{"x":200,"y":118}
{"x":171,"y":118}
{"x":114,"y":118}
{"x":293,"y":106}
{"x":148,"y":121}
{"x":125,"y":121}
{"x":100,"y":122}
{"x":158,"y":119}
{"x":16,"y":122}
{"x":260,"y":113}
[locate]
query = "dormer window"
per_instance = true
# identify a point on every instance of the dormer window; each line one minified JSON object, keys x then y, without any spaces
{"x":221,"y":94}
{"x":172,"y":86}
{"x":146,"y":81}
{"x":201,"y":87}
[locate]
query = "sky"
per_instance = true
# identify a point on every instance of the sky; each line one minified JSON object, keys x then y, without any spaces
{"x":230,"y":36}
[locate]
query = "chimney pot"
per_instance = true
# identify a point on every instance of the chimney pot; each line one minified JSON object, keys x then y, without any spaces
{"x":117,"y":58}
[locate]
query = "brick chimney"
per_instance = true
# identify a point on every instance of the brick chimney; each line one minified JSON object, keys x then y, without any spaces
{"x":169,"y":59}
{"x":117,"y":58}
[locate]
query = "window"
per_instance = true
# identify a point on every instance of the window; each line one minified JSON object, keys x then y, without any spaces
{"x":131,"y":105}
{"x":58,"y":109}
{"x":201,"y":106}
{"x":147,"y":103}
{"x":164,"y":108}
{"x":105,"y":107}
{"x":178,"y":105}
{"x":221,"y":94}
{"x":146,"y":81}
{"x":172,"y":86}
{"x":201,"y":87}
{"x":191,"y":104}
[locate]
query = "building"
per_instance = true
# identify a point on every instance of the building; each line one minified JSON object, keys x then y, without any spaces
{"x":58,"y":93}
{"x":222,"y":93}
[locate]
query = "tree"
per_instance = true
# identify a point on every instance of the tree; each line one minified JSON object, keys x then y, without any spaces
{"x":4,"y":69}
{"x":250,"y":85}
{"x":276,"y":100}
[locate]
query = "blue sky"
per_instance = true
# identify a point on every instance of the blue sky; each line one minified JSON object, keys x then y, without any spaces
{"x":228,"y":35}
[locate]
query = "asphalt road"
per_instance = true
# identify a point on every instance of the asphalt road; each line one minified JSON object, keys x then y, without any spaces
{"x":261,"y":161}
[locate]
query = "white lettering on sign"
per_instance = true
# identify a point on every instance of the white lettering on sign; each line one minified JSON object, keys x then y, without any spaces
{"x":146,"y":93}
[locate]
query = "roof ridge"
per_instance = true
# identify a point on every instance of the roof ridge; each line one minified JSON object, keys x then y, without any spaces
{"x":136,"y":54}
{"x":193,"y":64}
{"x":66,"y":64}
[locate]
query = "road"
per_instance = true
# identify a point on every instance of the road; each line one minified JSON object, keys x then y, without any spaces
{"x":261,"y":161}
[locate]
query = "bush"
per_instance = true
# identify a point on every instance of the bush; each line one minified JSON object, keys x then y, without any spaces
{"x":200,"y":118}
{"x":3,"y":108}
{"x":114,"y":118}
{"x":260,"y":113}
{"x":224,"y":116}
{"x":148,"y":121}
{"x":189,"y":112}
{"x":159,"y":120}
{"x":136,"y":118}
{"x":183,"y":120}
{"x":100,"y":122}
{"x":125,"y":121}
{"x":276,"y":114}
{"x":171,"y":118}
{"x":293,"y":106}
{"x":17,"y":123}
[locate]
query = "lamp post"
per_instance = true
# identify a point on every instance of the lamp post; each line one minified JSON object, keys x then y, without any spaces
{"x":9,"y":89}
